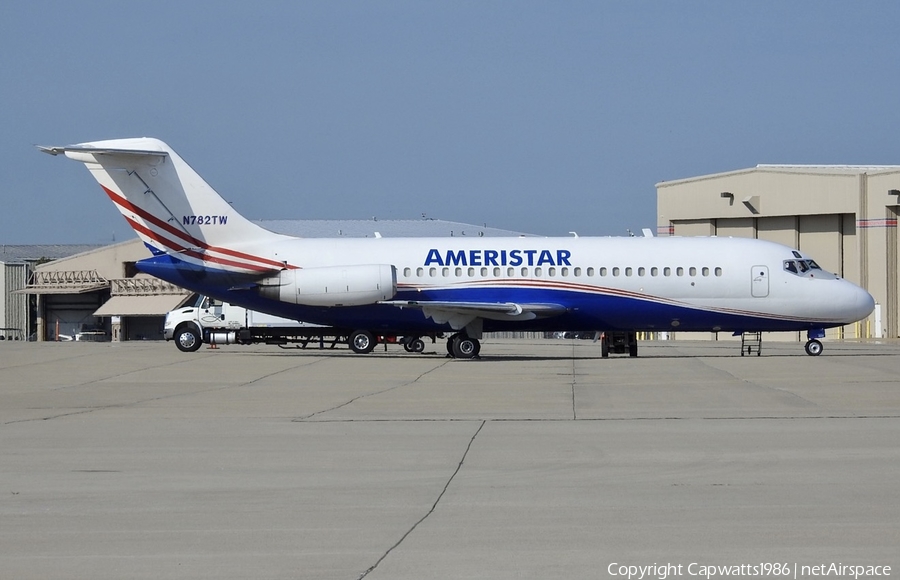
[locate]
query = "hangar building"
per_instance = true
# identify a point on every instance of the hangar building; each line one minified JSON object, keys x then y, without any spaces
{"x":17,"y":262}
{"x":844,"y":216}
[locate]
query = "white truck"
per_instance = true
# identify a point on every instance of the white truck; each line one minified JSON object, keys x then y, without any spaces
{"x":217,"y":323}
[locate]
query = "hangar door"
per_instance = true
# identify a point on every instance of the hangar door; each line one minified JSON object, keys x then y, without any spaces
{"x":70,"y":314}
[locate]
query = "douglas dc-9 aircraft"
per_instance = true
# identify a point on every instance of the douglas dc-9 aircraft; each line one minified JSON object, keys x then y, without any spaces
{"x":464,"y":286}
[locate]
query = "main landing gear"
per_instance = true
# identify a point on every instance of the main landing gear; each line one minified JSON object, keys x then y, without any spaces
{"x":461,"y":345}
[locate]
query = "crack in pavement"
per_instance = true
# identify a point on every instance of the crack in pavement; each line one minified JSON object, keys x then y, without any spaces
{"x":431,"y":511}
{"x":574,"y":381}
{"x":701,"y":360}
{"x":151,"y":399}
{"x":372,"y":394}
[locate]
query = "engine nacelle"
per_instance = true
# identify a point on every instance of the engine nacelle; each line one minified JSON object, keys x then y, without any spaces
{"x":332,"y":285}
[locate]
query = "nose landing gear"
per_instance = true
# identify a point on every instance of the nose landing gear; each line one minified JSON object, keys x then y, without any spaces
{"x":813,"y":347}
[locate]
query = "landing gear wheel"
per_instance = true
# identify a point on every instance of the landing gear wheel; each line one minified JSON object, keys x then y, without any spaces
{"x":604,"y":346}
{"x":465,"y":347}
{"x":362,"y":341}
{"x":813,"y":347}
{"x":187,"y":339}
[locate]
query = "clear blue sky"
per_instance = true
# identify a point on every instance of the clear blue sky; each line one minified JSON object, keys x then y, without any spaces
{"x":544,"y":117}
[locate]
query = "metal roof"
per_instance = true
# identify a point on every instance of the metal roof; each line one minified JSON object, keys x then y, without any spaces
{"x":12,"y":254}
{"x":141,"y":305}
{"x":843,"y":169}
{"x":425,"y":228}
{"x":803,"y":169}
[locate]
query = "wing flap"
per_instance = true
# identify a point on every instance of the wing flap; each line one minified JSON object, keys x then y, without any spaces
{"x":444,"y":310}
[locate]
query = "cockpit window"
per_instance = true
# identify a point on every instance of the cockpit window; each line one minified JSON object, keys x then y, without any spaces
{"x":800,"y":267}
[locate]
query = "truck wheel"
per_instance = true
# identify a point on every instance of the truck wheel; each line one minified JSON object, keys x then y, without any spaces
{"x":362,"y":342}
{"x":187,"y":339}
{"x":414,"y":344}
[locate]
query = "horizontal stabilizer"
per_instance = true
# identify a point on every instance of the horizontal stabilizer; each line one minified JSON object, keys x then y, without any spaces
{"x":101,"y":151}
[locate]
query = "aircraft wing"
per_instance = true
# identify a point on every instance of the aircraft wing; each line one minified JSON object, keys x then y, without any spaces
{"x":459,"y":314}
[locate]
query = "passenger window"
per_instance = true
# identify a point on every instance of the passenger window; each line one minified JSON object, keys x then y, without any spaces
{"x":576,"y":272}
{"x":407,"y":272}
{"x":693,"y":271}
{"x":551,"y":271}
{"x":654,"y":271}
{"x":432,"y":272}
{"x":603,"y":271}
{"x":679,"y":271}
{"x":667,"y":271}
{"x":497,"y":272}
{"x":524,"y":271}
{"x":511,"y":272}
{"x":420,"y":272}
{"x":641,"y":271}
{"x":484,"y":272}
{"x":718,"y":271}
{"x":445,"y":272}
{"x":628,"y":271}
{"x":471,"y":272}
{"x":590,"y":271}
{"x":615,"y":271}
{"x":537,"y":271}
{"x":705,"y":271}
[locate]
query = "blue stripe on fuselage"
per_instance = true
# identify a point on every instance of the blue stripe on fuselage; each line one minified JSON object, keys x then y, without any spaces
{"x":585,"y":310}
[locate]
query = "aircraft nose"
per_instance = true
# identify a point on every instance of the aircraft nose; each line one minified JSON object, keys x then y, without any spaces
{"x":863,"y":303}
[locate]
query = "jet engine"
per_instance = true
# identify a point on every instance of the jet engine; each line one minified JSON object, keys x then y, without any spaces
{"x":332,"y":285}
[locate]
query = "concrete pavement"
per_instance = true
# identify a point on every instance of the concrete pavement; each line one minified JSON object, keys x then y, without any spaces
{"x":540,"y":460}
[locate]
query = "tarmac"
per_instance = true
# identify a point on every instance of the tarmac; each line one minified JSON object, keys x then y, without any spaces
{"x":540,"y":460}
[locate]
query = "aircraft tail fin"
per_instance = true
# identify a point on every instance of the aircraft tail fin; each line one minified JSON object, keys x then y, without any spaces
{"x":172,"y":209}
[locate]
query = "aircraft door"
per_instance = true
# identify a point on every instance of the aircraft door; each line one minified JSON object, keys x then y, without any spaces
{"x":759,"y":281}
